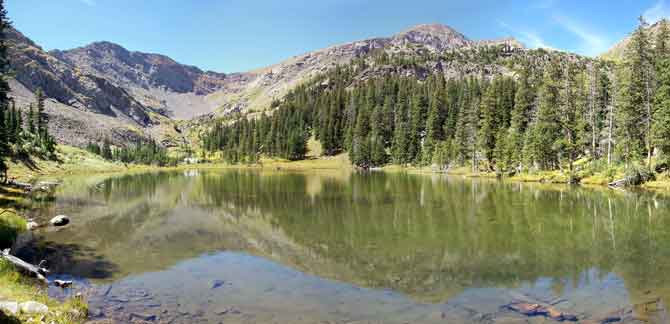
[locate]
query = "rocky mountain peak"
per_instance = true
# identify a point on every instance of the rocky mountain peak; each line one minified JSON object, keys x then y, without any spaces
{"x":140,"y":70}
{"x":435,"y":36}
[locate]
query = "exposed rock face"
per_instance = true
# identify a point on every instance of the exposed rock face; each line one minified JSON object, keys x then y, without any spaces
{"x":35,"y":68}
{"x":436,"y":37}
{"x":136,"y":69}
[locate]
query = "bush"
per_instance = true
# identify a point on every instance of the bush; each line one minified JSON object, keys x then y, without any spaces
{"x":10,"y":227}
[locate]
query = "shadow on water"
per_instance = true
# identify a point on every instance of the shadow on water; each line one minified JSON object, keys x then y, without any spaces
{"x":72,"y":259}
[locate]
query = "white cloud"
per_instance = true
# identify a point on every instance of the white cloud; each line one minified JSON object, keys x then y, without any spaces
{"x":659,"y":11}
{"x":530,"y":38}
{"x":591,"y":43}
{"x":88,"y":2}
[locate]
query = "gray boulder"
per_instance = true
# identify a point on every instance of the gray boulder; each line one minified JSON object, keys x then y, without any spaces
{"x":32,"y":307}
{"x":32,"y":226}
{"x":60,"y":220}
{"x":10,"y":307}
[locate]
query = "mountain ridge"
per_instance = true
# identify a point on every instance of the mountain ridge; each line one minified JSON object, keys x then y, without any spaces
{"x":150,"y":92}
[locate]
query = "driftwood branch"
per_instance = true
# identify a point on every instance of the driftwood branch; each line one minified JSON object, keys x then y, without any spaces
{"x":619,"y":183}
{"x":37,"y":271}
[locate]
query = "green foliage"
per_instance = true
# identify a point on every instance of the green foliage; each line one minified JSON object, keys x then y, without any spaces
{"x":555,"y":111}
{"x":142,"y":152}
{"x":661,"y":120}
{"x":284,"y":134}
{"x":10,"y":226}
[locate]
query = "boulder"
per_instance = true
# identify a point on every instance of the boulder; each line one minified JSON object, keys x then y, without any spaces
{"x":60,"y":220}
{"x":62,"y":283}
{"x":9,"y":307}
{"x":31,"y":226}
{"x":32,"y":307}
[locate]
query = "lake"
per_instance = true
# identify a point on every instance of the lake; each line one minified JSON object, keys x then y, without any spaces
{"x":250,"y":246}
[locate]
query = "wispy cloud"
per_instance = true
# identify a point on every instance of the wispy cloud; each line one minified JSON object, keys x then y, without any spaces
{"x":659,"y":11}
{"x":529,"y":37}
{"x":88,"y":2}
{"x":591,"y":42}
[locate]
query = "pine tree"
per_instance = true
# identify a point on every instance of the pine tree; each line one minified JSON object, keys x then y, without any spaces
{"x":661,"y":46}
{"x":41,"y":119}
{"x":661,"y":125}
{"x":546,"y":131}
{"x":434,"y":125}
{"x":488,"y":123}
{"x":4,"y":86}
{"x":634,"y":104}
{"x":361,"y":144}
{"x":417,"y":125}
{"x":567,"y":145}
{"x":523,"y":105}
{"x":31,"y":119}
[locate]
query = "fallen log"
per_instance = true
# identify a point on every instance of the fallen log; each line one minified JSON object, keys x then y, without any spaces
{"x":38,"y":271}
{"x":619,"y":183}
{"x":534,"y":309}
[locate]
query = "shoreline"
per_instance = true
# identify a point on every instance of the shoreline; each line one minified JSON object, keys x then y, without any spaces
{"x":77,"y":162}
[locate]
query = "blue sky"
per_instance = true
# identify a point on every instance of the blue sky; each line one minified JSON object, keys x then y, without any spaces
{"x":239,"y":35}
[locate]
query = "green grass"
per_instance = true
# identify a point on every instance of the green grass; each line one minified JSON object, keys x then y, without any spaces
{"x":11,"y":225}
{"x":15,"y":286}
{"x":71,"y":160}
{"x":19,"y":288}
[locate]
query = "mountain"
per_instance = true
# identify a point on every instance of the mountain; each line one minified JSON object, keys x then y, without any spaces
{"x":103,"y":90}
{"x":275,"y":81}
{"x":617,"y":52}
{"x":81,"y":106}
{"x":157,"y":81}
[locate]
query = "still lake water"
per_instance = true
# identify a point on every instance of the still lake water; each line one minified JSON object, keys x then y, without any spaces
{"x":242,"y":246}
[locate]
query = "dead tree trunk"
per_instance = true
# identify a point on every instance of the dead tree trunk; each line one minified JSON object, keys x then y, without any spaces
{"x":37,"y":271}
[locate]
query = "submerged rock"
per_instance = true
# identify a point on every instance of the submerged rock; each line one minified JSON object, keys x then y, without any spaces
{"x":32,"y":307}
{"x":218,"y":284}
{"x":60,"y":220}
{"x":144,"y":317}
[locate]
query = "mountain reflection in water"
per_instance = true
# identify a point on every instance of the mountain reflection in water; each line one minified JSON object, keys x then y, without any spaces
{"x":252,"y":246}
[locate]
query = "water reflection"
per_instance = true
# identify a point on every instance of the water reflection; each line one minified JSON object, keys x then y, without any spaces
{"x":452,"y":243}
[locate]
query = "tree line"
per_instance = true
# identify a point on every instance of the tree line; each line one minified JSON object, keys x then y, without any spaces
{"x":24,"y":132}
{"x":141,"y":152}
{"x":549,"y":116}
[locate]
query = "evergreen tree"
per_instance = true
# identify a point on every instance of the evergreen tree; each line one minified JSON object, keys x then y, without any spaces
{"x":361,"y":145}
{"x":661,"y":126}
{"x":31,"y":119}
{"x":41,"y":119}
{"x":488,"y":124}
{"x":4,"y":86}
{"x":434,"y":124}
{"x":520,"y":117}
{"x":546,"y":130}
{"x":567,"y":145}
{"x":634,"y":94}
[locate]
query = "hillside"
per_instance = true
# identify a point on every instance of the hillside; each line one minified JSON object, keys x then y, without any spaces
{"x":617,"y":52}
{"x":275,"y":81}
{"x":103,"y":90}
